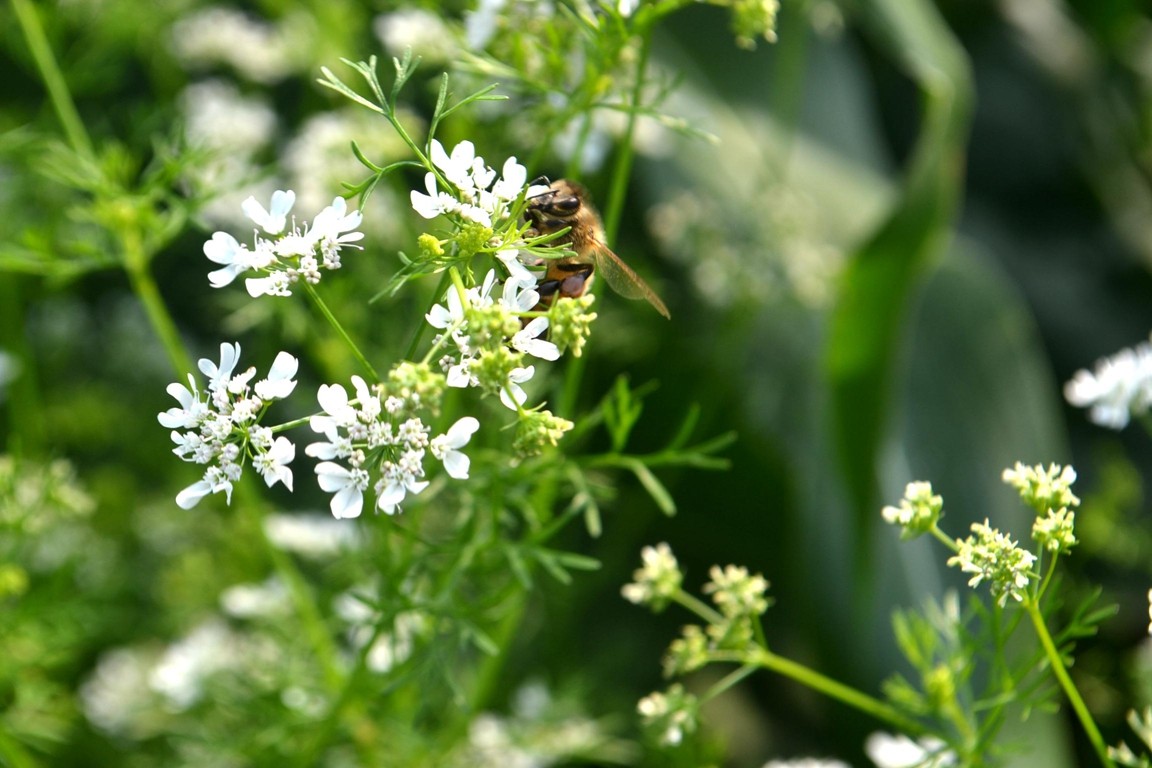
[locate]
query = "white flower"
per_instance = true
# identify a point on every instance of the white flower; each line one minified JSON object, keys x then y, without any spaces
{"x":445,"y":447}
{"x":221,"y":424}
{"x":275,"y":218}
{"x":518,"y":274}
{"x":181,"y":672}
{"x":513,"y":177}
{"x":457,"y":167}
{"x":348,"y":485}
{"x":250,"y":601}
{"x":394,"y":487}
{"x":276,"y":284}
{"x":1120,"y":387}
{"x":273,"y":463}
{"x":293,"y":255}
{"x":480,"y":24}
{"x":416,"y":28}
{"x":191,"y":411}
{"x":512,"y":395}
{"x":220,"y":375}
{"x":215,"y":481}
{"x":527,"y":340}
{"x":279,"y":383}
{"x":224,"y":249}
{"x":627,"y":7}
{"x":435,"y":202}
{"x":334,"y":227}
{"x":310,"y":535}
{"x":888,"y":751}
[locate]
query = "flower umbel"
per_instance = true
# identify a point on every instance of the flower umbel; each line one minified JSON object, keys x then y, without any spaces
{"x":670,"y":714}
{"x":918,"y":512}
{"x":737,"y":593}
{"x":221,"y":424}
{"x":1054,"y":531}
{"x":657,"y":581}
{"x":300,"y":253}
{"x":1043,"y":489}
{"x":995,"y":558}
{"x":380,"y":434}
{"x":1119,"y":388}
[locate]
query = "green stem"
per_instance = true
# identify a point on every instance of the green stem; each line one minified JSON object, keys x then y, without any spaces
{"x":320,"y":305}
{"x":53,"y":78}
{"x":144,"y":286}
{"x":251,"y":504}
{"x":836,"y":690}
{"x":614,"y":206}
{"x":698,"y":607}
{"x":14,"y":754}
{"x":1066,"y":683}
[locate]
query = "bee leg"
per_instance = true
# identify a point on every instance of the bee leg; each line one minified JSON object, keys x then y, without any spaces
{"x":574,"y":280}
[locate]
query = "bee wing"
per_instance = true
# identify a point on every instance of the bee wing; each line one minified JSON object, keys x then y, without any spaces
{"x":624,"y":281}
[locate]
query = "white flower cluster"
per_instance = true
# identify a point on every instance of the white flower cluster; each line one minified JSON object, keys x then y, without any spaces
{"x":467,"y":318}
{"x":888,"y":751}
{"x":476,"y":197}
{"x":221,"y":425}
{"x":369,"y":433}
{"x":993,"y":557}
{"x":657,"y":581}
{"x":1119,"y":388}
{"x":299,"y":253}
{"x":919,"y":510}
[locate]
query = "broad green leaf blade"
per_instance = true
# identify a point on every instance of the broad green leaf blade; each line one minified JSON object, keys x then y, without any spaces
{"x":867,"y":322}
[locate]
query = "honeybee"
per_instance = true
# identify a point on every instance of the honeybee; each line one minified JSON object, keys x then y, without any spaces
{"x":566,"y":204}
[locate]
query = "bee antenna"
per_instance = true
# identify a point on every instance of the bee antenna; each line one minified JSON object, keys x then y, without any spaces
{"x":542,"y":181}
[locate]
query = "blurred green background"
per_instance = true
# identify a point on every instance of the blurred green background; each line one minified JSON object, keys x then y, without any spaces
{"x":917,"y":221}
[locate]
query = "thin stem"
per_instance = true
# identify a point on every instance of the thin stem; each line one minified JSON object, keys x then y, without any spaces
{"x":53,"y":78}
{"x":614,"y":207}
{"x":320,"y":305}
{"x":836,"y":690}
{"x":315,"y":631}
{"x":1066,"y":683}
{"x":698,"y":607}
{"x":144,"y":286}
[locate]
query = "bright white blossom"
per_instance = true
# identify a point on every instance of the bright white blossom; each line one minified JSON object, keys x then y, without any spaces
{"x":888,"y":751}
{"x":220,"y":426}
{"x":374,"y":435}
{"x":993,"y":557}
{"x":658,"y":579}
{"x":1119,"y":388}
{"x":416,"y":28}
{"x":285,"y":258}
{"x":262,"y":52}
{"x":919,"y":510}
{"x":447,"y":447}
{"x":311,"y":535}
{"x":467,"y":320}
{"x":475,"y":193}
{"x":1043,"y":489}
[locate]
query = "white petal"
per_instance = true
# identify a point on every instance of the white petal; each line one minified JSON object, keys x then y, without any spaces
{"x":333,"y":398}
{"x":461,"y":432}
{"x":347,"y":503}
{"x":224,"y":249}
{"x":325,"y":451}
{"x":456,"y":465}
{"x":332,"y":477}
{"x":190,"y":496}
